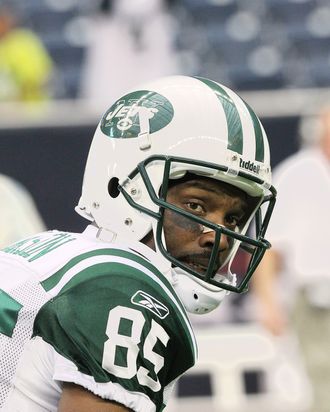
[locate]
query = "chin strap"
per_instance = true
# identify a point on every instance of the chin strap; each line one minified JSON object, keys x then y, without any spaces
{"x":196,"y":295}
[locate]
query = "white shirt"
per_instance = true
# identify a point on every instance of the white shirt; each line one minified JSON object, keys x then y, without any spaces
{"x":19,"y":216}
{"x":300,"y":225}
{"x":117,"y":61}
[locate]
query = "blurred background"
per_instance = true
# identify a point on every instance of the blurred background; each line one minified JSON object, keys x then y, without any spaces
{"x":63,"y":62}
{"x":275,"y":53}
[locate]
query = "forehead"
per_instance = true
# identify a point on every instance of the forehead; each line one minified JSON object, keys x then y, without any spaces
{"x":207,"y":184}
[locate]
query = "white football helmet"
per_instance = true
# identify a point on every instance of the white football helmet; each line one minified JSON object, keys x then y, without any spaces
{"x":161,"y":131}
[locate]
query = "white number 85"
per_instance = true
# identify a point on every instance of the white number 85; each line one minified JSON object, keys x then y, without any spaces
{"x":130,"y":343}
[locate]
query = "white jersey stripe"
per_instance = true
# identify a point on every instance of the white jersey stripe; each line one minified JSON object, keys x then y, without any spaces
{"x":95,"y":260}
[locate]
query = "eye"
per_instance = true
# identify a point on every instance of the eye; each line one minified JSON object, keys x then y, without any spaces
{"x":234,"y":221}
{"x":195,"y":207}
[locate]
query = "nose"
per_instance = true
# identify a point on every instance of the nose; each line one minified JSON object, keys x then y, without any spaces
{"x":207,"y":239}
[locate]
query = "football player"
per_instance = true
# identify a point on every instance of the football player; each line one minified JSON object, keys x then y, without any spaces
{"x":177,"y":181}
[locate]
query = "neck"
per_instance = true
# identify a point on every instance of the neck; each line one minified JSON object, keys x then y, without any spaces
{"x":149,"y":240}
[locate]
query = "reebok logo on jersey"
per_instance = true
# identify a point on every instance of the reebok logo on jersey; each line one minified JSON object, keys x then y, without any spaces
{"x":145,"y":300}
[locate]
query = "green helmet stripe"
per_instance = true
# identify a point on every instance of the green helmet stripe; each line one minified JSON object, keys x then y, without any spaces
{"x":235,"y":131}
{"x":260,"y":149}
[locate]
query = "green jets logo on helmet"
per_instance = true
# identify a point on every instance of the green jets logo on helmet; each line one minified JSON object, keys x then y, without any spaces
{"x":136,"y":113}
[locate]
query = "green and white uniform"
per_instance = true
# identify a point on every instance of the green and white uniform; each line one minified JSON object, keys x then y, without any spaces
{"x":100,"y":315}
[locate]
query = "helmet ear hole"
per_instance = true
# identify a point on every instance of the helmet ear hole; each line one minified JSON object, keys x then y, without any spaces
{"x":113,"y":187}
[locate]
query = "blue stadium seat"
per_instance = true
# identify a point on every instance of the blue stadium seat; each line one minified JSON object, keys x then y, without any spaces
{"x":205,"y":12}
{"x":45,"y":21}
{"x":288,"y":12}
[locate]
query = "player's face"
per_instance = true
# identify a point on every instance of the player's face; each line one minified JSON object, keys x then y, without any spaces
{"x":218,"y":202}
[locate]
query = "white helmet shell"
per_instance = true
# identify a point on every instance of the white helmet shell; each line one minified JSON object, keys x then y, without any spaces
{"x":178,"y":115}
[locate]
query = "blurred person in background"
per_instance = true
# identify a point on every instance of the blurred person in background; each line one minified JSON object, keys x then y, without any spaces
{"x":292,"y":283}
{"x":25,"y":65}
{"x":129,"y":42}
{"x":19,"y":216}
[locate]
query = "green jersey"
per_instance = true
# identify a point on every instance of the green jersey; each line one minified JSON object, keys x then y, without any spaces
{"x":106,"y":319}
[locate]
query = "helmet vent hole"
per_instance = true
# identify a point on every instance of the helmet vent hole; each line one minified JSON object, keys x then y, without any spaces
{"x":195,"y":296}
{"x":113,"y":187}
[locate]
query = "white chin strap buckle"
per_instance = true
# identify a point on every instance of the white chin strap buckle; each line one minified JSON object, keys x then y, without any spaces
{"x":197,"y":297}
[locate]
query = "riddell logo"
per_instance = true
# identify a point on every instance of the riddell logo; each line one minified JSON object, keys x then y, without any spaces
{"x":249,"y":166}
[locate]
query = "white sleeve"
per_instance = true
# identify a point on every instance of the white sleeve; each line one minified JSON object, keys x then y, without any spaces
{"x":19,"y":215}
{"x":34,"y":390}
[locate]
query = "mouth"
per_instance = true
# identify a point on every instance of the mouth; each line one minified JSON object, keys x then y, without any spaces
{"x":201,"y":269}
{"x":198,"y":264}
